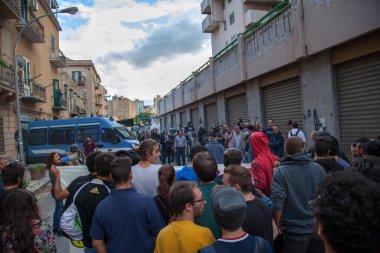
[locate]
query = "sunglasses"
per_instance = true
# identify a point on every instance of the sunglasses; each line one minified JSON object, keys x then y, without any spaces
{"x":200,"y":200}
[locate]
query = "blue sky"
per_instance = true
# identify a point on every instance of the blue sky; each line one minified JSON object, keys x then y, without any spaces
{"x":141,"y":48}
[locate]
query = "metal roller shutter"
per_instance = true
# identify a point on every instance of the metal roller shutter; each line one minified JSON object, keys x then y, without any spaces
{"x":194,"y":116}
{"x":358,"y":99}
{"x":174,"y":123}
{"x":183,"y":119}
{"x":283,"y":102}
{"x":236,"y":109}
{"x":211,"y":113}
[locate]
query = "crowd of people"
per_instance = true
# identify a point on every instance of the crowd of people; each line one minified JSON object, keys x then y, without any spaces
{"x":288,"y":200}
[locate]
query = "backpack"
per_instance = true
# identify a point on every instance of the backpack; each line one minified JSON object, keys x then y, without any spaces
{"x":296,"y":134}
{"x":70,"y":220}
{"x":259,"y":246}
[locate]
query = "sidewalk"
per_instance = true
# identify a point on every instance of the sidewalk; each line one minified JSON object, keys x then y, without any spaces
{"x":36,"y":185}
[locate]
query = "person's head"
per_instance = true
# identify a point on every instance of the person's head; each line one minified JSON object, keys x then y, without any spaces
{"x":166,"y":177}
{"x":3,"y":163}
{"x":197,"y":149}
{"x":180,"y":132}
{"x":359,"y":147}
{"x":166,"y":131}
{"x":276,"y":129}
{"x":88,"y":139}
{"x":260,"y":125}
{"x":53,"y":159}
{"x":373,"y":148}
{"x":237,"y":129}
{"x":295,"y":124}
{"x":21,"y":219}
{"x":251,"y":128}
{"x":369,"y":167}
{"x":205,"y":167}
{"x":229,"y":130}
{"x":289,"y":124}
{"x":232,"y":156}
{"x":13,"y":175}
{"x":270,"y":123}
{"x":186,"y":198}
{"x":121,"y":170}
{"x":314,"y":135}
{"x":74,"y":148}
{"x":334,"y":146}
{"x":322,"y":146}
{"x":102,"y":164}
{"x":90,"y":161}
{"x":294,"y":145}
{"x":229,"y":208}
{"x":238,"y":177}
{"x":346,"y":210}
{"x":149,"y":150}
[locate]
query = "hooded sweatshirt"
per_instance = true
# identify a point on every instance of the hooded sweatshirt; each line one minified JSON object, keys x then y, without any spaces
{"x":262,"y":166}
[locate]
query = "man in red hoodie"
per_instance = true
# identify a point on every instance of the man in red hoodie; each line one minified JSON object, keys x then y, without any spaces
{"x":263,"y":164}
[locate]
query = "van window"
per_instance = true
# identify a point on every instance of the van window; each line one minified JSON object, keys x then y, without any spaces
{"x":62,"y":135}
{"x":84,"y":131}
{"x":107,"y":135}
{"x":37,"y":136}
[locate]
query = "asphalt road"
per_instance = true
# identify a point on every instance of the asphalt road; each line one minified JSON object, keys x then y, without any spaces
{"x":47,"y":205}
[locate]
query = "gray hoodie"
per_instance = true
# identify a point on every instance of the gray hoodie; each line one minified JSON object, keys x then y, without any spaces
{"x":294,"y":184}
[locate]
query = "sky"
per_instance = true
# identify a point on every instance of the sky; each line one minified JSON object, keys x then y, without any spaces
{"x":140,"y":48}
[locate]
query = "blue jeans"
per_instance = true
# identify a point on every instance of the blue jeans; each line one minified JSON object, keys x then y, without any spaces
{"x":89,"y":250}
{"x":58,"y":206}
{"x":180,"y":155}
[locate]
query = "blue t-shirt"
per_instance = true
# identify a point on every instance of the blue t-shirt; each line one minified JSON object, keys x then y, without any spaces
{"x":245,"y":244}
{"x":128,"y":221}
{"x":186,"y":173}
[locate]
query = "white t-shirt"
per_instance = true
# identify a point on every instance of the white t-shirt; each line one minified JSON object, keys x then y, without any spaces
{"x":145,"y":180}
{"x":300,"y":134}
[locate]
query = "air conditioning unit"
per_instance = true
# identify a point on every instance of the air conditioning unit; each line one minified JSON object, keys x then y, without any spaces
{"x":34,"y":5}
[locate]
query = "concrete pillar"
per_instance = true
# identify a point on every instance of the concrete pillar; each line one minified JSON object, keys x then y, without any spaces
{"x":182,"y":94}
{"x":254,"y":101}
{"x":201,"y":110}
{"x":241,"y":57}
{"x":212,"y":75}
{"x":319,"y":93}
{"x":187,"y":114}
{"x":221,"y":104}
{"x":177,"y":118}
{"x":300,"y":42}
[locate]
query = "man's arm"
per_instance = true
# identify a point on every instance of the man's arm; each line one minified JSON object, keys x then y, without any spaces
{"x":276,"y":214}
{"x":59,"y":193}
{"x":99,"y":245}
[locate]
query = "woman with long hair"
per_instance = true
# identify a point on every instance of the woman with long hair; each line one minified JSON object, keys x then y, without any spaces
{"x":166,"y":176}
{"x":54,"y":159}
{"x":23,"y":231}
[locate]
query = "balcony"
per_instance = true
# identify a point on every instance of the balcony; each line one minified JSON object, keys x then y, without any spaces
{"x":33,"y":92}
{"x":35,"y":31}
{"x":10,"y":9}
{"x":81,"y":80}
{"x":99,"y":101}
{"x":252,"y":16}
{"x":6,"y":76}
{"x":74,"y":110}
{"x":208,"y":25}
{"x":57,"y":58}
{"x":206,"y":7}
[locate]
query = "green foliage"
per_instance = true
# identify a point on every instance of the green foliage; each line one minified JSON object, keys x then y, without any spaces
{"x":38,"y":168}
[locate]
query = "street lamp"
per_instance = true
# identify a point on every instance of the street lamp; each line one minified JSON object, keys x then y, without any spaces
{"x":70,"y":10}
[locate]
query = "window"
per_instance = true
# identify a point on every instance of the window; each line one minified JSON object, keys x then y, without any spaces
{"x":24,"y":11}
{"x":85,"y":131}
{"x":52,"y":43}
{"x":225,"y":25}
{"x":26,"y":78}
{"x":62,"y":135}
{"x":108,"y":135}
{"x":223,"y":4}
{"x":37,"y":137}
{"x":232,"y":18}
{"x":76,"y":76}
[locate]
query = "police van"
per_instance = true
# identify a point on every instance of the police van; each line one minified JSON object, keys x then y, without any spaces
{"x":58,"y":135}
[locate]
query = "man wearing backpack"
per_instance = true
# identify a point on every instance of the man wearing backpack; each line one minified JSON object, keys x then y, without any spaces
{"x":294,"y":131}
{"x":85,"y":202}
{"x":229,"y":208}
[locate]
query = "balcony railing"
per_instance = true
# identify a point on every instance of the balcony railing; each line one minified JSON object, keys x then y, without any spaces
{"x":10,"y":9}
{"x":74,"y":110}
{"x":34,"y":32}
{"x":6,"y":75}
{"x":209,"y":25}
{"x":57,"y":58}
{"x":33,"y":92}
{"x":206,"y":7}
{"x":59,"y":102}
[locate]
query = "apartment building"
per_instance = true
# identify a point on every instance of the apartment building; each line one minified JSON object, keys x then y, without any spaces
{"x":39,"y":60}
{"x":314,"y":62}
{"x":156,"y":99}
{"x":122,"y":107}
{"x":139,"y":106}
{"x":85,"y":76}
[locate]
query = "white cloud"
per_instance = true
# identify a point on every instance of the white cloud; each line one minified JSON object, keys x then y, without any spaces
{"x":137,"y":61}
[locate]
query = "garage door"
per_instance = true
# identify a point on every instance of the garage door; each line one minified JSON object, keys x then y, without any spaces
{"x":194,"y":116}
{"x":358,"y":99}
{"x":211,"y":115}
{"x":283,"y":102}
{"x":236,"y":109}
{"x":183,"y":119}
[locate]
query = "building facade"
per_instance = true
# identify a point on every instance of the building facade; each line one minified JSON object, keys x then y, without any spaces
{"x":314,"y":62}
{"x":155,"y":104}
{"x":39,"y":60}
{"x":139,"y":106}
{"x":122,"y":107}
